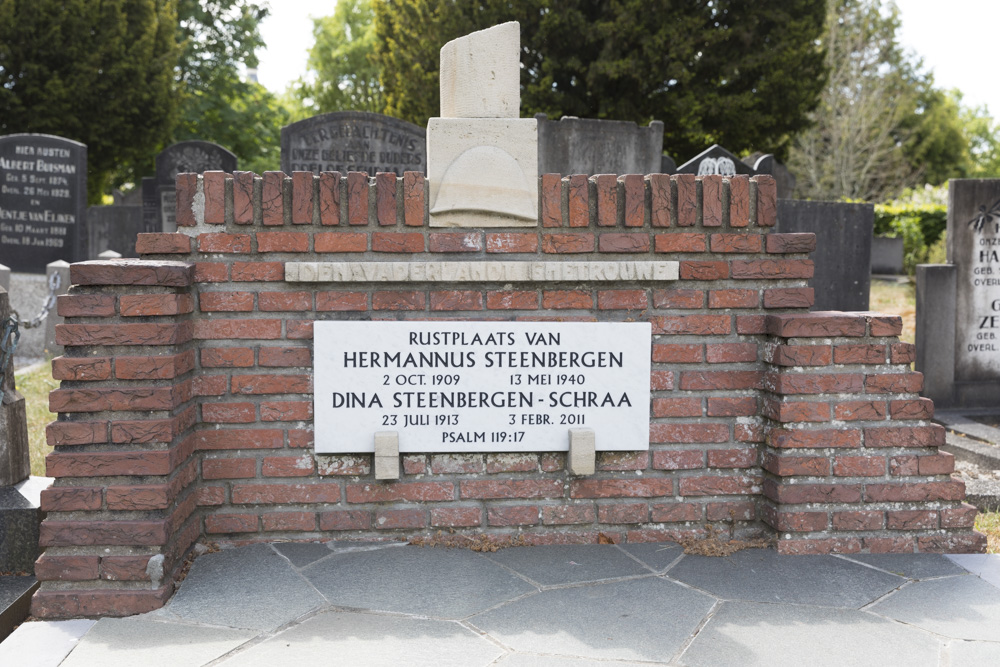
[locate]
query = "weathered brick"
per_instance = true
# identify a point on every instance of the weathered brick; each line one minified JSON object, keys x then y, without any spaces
{"x":258,"y":271}
{"x":220,"y":242}
{"x":690,"y":270}
{"x":676,"y":407}
{"x":730,"y":353}
{"x":398,"y":301}
{"x":692,"y":324}
{"x":284,"y":301}
{"x":243,"y":197}
{"x":385,"y":198}
{"x":789,"y":297}
{"x":606,"y":189}
{"x":345,"y":520}
{"x":719,"y":485}
{"x":272,"y":198}
{"x":402,"y":518}
{"x":340,"y":242}
{"x":413,"y":198}
{"x":509,"y":488}
{"x":733,"y":298}
{"x":609,"y":242}
{"x":455,"y":242}
{"x":511,"y":242}
{"x":233,"y":468}
{"x":688,"y":433}
{"x":341,"y":301}
{"x":282,"y":241}
{"x":679,"y":298}
{"x":620,"y":488}
{"x":456,"y":300}
{"x":288,"y":521}
{"x":519,"y":515}
{"x":512,"y":300}
{"x":557,"y":515}
{"x":623,"y":513}
{"x":567,"y":299}
{"x":270,"y":494}
{"x":398,"y":242}
{"x":859,"y":466}
{"x":81,"y":369}
{"x":673,"y":459}
{"x":679,"y":242}
{"x":225,"y":302}
{"x":815,"y":325}
{"x":710,"y":380}
{"x":162,"y":243}
{"x":85,"y":305}
{"x":568,"y":243}
{"x":456,"y":517}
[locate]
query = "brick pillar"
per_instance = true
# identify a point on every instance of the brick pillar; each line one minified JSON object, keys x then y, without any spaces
{"x":120,"y":510}
{"x":851,"y":455}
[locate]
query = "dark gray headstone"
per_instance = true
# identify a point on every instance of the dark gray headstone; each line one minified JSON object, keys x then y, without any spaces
{"x":715,"y":160}
{"x":974,"y":249}
{"x":887,"y":256}
{"x":353,"y":141}
{"x":590,"y":146}
{"x":114,"y":228}
{"x":843,"y":254}
{"x":159,"y":193}
{"x":43,"y":199}
{"x":783,"y":179}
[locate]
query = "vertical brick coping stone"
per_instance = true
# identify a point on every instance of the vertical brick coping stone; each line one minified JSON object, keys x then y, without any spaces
{"x":185,"y":410}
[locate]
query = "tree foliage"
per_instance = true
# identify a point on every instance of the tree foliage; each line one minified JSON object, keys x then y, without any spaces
{"x":344,"y":71}
{"x":881,"y":125}
{"x":218,"y":104}
{"x":742,"y":74}
{"x":101,"y":73}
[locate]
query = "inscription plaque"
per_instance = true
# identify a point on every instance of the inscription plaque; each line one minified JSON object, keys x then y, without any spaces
{"x":43,"y":198}
{"x":353,"y":141}
{"x":481,"y":386}
{"x":974,"y":249}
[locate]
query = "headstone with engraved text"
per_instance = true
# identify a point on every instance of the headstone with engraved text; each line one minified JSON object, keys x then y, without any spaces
{"x":353,"y":141}
{"x":159,"y":193}
{"x":43,"y":199}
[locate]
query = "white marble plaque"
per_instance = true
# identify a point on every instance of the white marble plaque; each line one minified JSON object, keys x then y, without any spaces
{"x":481,"y":386}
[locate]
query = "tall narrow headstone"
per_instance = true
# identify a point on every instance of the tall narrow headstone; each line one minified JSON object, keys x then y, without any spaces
{"x":974,"y":249}
{"x":43,"y":199}
{"x":353,"y":141}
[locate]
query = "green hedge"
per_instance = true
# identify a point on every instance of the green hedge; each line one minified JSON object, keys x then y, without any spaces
{"x":919,"y":225}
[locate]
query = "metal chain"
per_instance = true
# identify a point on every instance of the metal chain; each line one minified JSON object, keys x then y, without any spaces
{"x":8,"y":343}
{"x":50,"y":301}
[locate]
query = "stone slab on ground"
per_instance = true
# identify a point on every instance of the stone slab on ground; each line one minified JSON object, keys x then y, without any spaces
{"x":984,"y":566}
{"x":641,"y":619}
{"x":657,"y":557}
{"x":955,"y":607}
{"x":371,"y":639}
{"x":128,"y":642}
{"x":444,"y":583}
{"x":43,"y":643}
{"x":741,"y":634}
{"x":251,"y":587}
{"x":762,"y":575}
{"x":569,"y":564}
{"x":15,"y":601}
{"x":911,"y":566}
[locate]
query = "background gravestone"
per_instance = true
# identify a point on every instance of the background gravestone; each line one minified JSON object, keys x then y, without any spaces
{"x":715,"y":160}
{"x":353,"y":141}
{"x":159,"y":193}
{"x":974,"y":249}
{"x":843,"y":255}
{"x":114,"y":228}
{"x":589,"y":146}
{"x":43,"y":198}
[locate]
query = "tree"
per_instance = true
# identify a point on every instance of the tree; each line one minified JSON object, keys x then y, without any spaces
{"x":344,"y":72}
{"x":743,"y":74}
{"x":983,"y":135}
{"x":101,"y":73}
{"x":881,"y":126}
{"x":218,"y":104}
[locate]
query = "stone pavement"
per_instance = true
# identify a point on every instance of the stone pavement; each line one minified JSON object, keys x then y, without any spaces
{"x":560,"y":606}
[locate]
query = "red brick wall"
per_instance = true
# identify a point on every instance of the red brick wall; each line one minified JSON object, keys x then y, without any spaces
{"x":185,"y":409}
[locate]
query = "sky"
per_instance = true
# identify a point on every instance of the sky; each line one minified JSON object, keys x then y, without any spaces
{"x":957,"y":40}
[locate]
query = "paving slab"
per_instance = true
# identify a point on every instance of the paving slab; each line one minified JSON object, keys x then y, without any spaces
{"x":300,"y":554}
{"x":127,"y":642}
{"x":372,"y":640}
{"x":537,"y":660}
{"x":985,"y":566}
{"x":250,"y":587}
{"x":743,"y":634}
{"x":640,"y":619}
{"x":568,"y":564}
{"x":43,"y":643}
{"x":657,"y":557}
{"x":956,"y":607}
{"x":911,"y":566}
{"x":762,"y":575}
{"x":973,"y":653}
{"x":443,"y":583}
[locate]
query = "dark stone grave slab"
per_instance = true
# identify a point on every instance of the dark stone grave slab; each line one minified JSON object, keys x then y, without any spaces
{"x":114,"y":228}
{"x":843,"y":255}
{"x":43,"y":199}
{"x":353,"y":141}
{"x":573,"y":145}
{"x":159,"y":193}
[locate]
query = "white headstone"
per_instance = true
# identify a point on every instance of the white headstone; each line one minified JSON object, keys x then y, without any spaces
{"x":481,"y":74}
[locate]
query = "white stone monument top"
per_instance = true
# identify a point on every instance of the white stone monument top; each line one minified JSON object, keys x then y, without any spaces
{"x":481,"y":74}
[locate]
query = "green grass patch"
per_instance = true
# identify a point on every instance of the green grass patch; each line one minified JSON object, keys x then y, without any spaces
{"x":896,"y":299}
{"x":35,"y":383}
{"x":988,"y":523}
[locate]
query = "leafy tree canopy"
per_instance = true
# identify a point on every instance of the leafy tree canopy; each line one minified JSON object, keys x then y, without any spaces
{"x":342,"y":64}
{"x":742,"y":74}
{"x":101,"y":73}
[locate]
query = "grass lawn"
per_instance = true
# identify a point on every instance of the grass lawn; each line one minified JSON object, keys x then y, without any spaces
{"x":35,"y":383}
{"x":896,"y":299}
